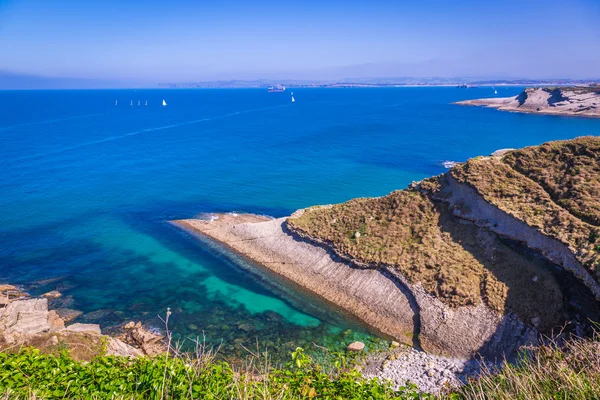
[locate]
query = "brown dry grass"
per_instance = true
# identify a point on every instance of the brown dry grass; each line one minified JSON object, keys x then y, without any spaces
{"x":571,"y":371}
{"x":81,"y":346}
{"x":568,"y":170}
{"x":527,"y":201}
{"x":454,"y":261}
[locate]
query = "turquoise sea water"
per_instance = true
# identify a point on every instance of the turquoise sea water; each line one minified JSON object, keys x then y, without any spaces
{"x":87,"y":189}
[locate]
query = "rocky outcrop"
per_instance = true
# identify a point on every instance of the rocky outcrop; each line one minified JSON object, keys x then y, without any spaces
{"x":381,"y":299}
{"x":8,"y":293}
{"x":432,"y":374}
{"x":89,"y":328}
{"x":24,"y":317}
{"x":577,"y":101}
{"x":148,"y":342}
{"x":29,"y":322}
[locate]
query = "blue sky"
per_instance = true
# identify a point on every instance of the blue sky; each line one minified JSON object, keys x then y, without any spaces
{"x":179,"y":40}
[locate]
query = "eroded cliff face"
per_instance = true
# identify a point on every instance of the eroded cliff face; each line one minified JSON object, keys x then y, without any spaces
{"x":480,"y":260}
{"x":581,"y":101}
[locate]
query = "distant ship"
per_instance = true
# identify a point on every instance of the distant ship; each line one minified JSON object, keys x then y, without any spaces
{"x":278,"y":88}
{"x":293,"y":100}
{"x":164,"y":103}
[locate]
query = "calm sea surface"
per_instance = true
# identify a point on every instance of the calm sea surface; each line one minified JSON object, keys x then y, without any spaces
{"x":87,"y":188}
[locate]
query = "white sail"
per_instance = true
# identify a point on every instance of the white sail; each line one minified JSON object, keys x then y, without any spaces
{"x":164,"y":103}
{"x":138,"y":103}
{"x":293,"y":100}
{"x":116,"y":102}
{"x":146,"y":103}
{"x":131,"y":103}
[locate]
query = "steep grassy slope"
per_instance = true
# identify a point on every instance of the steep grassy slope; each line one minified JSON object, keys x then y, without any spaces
{"x":408,"y":232}
{"x":553,"y":188}
{"x":568,"y":170}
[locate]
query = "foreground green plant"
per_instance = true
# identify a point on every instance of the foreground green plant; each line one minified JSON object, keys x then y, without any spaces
{"x":571,"y":371}
{"x":31,"y":374}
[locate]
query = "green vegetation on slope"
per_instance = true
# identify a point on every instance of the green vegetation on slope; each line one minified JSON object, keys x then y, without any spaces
{"x":454,"y":261}
{"x":31,"y":374}
{"x":569,"y":371}
{"x":568,"y":170}
{"x":526,"y":200}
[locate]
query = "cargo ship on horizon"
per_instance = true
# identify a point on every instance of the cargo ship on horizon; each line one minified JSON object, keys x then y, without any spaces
{"x":278,"y":88}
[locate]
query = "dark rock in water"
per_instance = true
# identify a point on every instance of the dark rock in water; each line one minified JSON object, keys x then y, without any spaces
{"x":68,"y":314}
{"x":97,"y":315}
{"x":272,"y":316}
{"x":45,"y":282}
{"x":64,"y":286}
{"x":61,"y":302}
{"x":245,"y":327}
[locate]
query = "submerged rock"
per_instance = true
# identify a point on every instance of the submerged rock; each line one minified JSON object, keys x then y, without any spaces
{"x":68,"y":314}
{"x":356,"y":346}
{"x":54,"y":294}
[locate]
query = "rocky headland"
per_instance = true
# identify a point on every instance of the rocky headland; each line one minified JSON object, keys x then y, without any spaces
{"x":495,"y":254}
{"x":574,"y":101}
{"x":28,"y":321}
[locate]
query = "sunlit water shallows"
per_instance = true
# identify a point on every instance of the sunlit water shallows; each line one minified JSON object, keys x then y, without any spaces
{"x":88,"y":187}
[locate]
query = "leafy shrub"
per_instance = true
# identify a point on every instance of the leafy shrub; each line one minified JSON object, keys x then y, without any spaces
{"x":31,"y":374}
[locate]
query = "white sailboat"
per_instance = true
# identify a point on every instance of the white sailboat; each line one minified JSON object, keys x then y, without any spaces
{"x":164,"y":103}
{"x":116,"y":102}
{"x":495,"y":91}
{"x":146,"y":103}
{"x":131,"y":103}
{"x":293,"y":100}
{"x":138,"y":103}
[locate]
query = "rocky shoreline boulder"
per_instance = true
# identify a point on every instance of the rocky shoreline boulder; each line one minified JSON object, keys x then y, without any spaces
{"x":27,"y":321}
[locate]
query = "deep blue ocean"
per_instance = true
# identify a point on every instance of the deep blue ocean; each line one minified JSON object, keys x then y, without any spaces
{"x":87,"y":188}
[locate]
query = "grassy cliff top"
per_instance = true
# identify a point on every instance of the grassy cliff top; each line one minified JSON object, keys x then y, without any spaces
{"x":420,"y":239}
{"x":554,"y":188}
{"x":569,"y":171}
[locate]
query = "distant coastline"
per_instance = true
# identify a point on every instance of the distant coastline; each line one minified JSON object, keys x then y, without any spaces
{"x":568,"y":101}
{"x":371,"y":83}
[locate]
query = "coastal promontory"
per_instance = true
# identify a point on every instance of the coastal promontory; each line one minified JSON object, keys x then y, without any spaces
{"x":575,"y":101}
{"x":490,"y":256}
